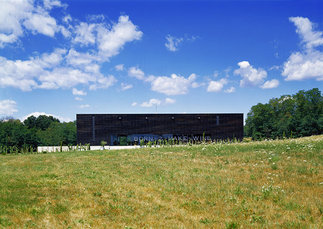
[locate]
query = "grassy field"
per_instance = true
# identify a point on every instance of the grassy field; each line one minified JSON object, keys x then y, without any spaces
{"x":269,"y":184}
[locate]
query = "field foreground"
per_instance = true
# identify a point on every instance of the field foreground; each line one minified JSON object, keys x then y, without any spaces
{"x":258,"y":184}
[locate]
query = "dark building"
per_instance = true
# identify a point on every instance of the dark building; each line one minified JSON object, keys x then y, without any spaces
{"x":123,"y":129}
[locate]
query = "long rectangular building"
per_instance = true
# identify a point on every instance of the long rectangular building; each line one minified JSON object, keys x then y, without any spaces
{"x":123,"y":129}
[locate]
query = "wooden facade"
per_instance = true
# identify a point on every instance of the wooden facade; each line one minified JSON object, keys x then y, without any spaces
{"x":112,"y":128}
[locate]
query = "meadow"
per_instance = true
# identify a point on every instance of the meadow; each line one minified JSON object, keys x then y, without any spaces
{"x":265,"y":184}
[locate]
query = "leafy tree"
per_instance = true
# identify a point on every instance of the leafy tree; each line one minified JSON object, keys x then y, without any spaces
{"x":43,"y":130}
{"x":41,"y":122}
{"x":58,"y":133}
{"x":290,"y":115}
{"x":14,"y":133}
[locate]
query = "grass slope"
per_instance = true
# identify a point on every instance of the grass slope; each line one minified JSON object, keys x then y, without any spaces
{"x":258,"y":184}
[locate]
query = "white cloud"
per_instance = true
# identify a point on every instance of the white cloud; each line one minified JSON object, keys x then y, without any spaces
{"x":137,"y":73}
{"x":173,"y":85}
{"x":125,"y":86}
{"x":83,"y":106}
{"x":78,"y":98}
{"x":134,"y":104}
{"x":12,"y":12}
{"x":8,"y":107}
{"x":19,"y":74}
{"x":270,"y":84}
{"x":23,"y":74}
{"x":151,"y":102}
{"x":305,"y":29}
{"x":96,"y":17}
{"x":119,"y":67}
{"x":49,"y":71}
{"x":65,"y":78}
{"x":216,"y":86}
{"x":250,"y":75}
{"x":110,"y":42}
{"x":49,"y":4}
{"x":104,"y":82}
{"x":169,"y":101}
{"x":36,"y":114}
{"x":78,"y":59}
{"x":230,"y":90}
{"x":41,"y":23}
{"x":172,"y":43}
{"x":67,"y":19}
{"x":61,"y":68}
{"x":216,"y":74}
{"x":155,"y":102}
{"x":78,"y":92}
{"x":85,"y":33}
{"x":18,"y":15}
{"x":196,"y":85}
{"x":300,"y":66}
{"x":307,"y":64}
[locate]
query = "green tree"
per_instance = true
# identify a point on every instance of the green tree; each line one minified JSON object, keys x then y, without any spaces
{"x":290,"y":115}
{"x":41,"y":122}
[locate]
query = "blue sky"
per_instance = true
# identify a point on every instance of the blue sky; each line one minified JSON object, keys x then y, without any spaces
{"x":67,"y":57}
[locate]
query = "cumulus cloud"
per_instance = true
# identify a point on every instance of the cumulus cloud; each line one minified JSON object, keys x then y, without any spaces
{"x":8,"y":107}
{"x":250,"y":75}
{"x":137,"y":73}
{"x":16,"y":16}
{"x":308,"y":63}
{"x":173,"y":85}
{"x":83,"y":106}
{"x":169,"y":101}
{"x":230,"y":90}
{"x":78,"y":59}
{"x":36,"y":114}
{"x":85,"y":33}
{"x":305,"y":29}
{"x":49,"y":4}
{"x":42,"y":23}
{"x":172,"y":43}
{"x":23,"y":74}
{"x":156,"y":102}
{"x":104,"y":82}
{"x":110,"y":42}
{"x":119,"y":67}
{"x":78,"y":92}
{"x":134,"y":104}
{"x":270,"y":84}
{"x":63,"y":68}
{"x":49,"y":71}
{"x":125,"y":86}
{"x":67,"y":19}
{"x":65,"y":77}
{"x":196,"y":84}
{"x":216,"y":86}
{"x":151,"y":102}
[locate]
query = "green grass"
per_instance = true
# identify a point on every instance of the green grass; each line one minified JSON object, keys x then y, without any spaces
{"x":269,"y":184}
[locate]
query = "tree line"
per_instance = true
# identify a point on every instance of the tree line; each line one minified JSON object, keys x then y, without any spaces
{"x":289,"y":116}
{"x":36,"y":131}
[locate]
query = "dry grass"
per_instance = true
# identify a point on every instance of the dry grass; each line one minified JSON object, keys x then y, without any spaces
{"x":259,"y":184}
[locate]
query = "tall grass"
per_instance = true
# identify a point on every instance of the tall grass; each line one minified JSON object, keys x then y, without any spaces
{"x":264,"y":184}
